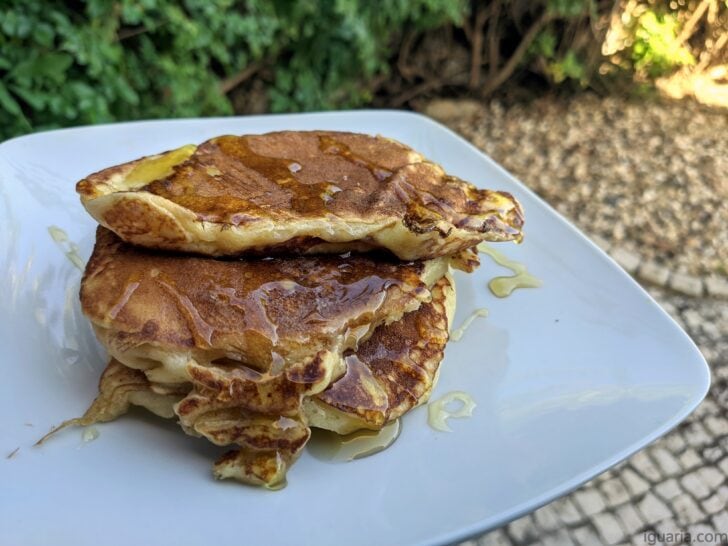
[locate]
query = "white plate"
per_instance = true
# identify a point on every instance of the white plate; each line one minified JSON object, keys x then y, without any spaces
{"x":569,"y":379}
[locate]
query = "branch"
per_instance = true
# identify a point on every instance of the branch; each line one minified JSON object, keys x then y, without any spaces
{"x":232,"y":82}
{"x":129,"y":32}
{"x":493,"y":41}
{"x":689,"y":27}
{"x":506,"y":72}
{"x":481,"y":17}
{"x":425,"y":86}
{"x":404,"y":52}
{"x":709,"y":54}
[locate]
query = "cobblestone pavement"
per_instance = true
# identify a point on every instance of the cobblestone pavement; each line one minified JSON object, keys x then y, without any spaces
{"x":678,"y":484}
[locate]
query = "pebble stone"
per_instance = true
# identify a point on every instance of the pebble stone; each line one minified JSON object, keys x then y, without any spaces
{"x":717,"y":287}
{"x":686,"y":284}
{"x":629,"y":260}
{"x":654,"y":273}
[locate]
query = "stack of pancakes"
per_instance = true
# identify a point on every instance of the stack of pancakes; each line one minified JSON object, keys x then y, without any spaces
{"x":253,"y":287}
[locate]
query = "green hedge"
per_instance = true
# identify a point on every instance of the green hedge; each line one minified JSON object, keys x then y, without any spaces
{"x":71,"y":63}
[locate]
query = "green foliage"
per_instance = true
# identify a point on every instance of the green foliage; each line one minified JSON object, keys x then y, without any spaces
{"x":71,"y":63}
{"x":569,"y":67}
{"x":568,"y":8}
{"x":656,"y":49}
{"x":559,"y":68}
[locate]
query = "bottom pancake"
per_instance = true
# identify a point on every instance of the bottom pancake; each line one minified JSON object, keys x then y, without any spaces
{"x":390,"y":373}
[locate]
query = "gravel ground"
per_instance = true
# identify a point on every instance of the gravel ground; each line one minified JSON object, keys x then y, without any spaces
{"x":652,"y":179}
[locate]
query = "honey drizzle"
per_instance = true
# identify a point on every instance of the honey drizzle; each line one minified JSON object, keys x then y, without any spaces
{"x":504,"y":286}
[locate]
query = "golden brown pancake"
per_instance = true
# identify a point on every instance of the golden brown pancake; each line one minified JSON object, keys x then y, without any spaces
{"x":160,"y":312}
{"x":391,"y":372}
{"x":304,"y":192}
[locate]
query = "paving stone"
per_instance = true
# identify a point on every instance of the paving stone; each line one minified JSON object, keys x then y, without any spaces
{"x":601,"y":242}
{"x":689,"y":459}
{"x":665,"y":461}
{"x":720,"y":522}
{"x":546,"y":518}
{"x":567,"y":511}
{"x":495,"y":538}
{"x":653,"y":509}
{"x":669,"y":528}
{"x":703,"y":534}
{"x":716,"y":287}
{"x":645,"y":467}
{"x":695,"y":485}
{"x":448,"y":110}
{"x":614,"y":492}
{"x":712,"y":454}
{"x":723,"y":465}
{"x":654,"y":273}
{"x":696,"y":435}
{"x":523,"y":529}
{"x":630,"y":519}
{"x":686,"y":510}
{"x":675,"y":443}
{"x":634,"y":483}
{"x":608,"y":528}
{"x":723,"y":493}
{"x":626,"y":258}
{"x":669,"y":489}
{"x":559,"y":538}
{"x":686,"y":284}
{"x":717,"y":426}
{"x":710,"y":330}
{"x":694,"y":321}
{"x":713,"y":505}
{"x":589,"y":500}
{"x":708,"y":407}
{"x":711,"y":477}
{"x":585,"y":536}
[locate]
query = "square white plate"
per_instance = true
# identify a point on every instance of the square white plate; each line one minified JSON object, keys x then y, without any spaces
{"x":569,"y":379}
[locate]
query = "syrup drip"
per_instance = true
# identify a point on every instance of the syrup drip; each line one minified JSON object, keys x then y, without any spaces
{"x":504,"y":286}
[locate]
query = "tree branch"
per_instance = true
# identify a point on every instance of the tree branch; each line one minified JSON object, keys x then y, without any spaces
{"x":689,"y":27}
{"x":493,"y":40}
{"x":506,"y":72}
{"x":404,"y":52}
{"x":232,"y":82}
{"x":481,"y":16}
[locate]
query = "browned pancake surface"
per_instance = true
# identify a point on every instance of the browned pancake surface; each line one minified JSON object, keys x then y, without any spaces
{"x":257,"y":308}
{"x":374,"y":192}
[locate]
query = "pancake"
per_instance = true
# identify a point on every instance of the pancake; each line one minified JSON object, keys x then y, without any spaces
{"x":298,"y":192}
{"x":391,"y":372}
{"x":162,"y":312}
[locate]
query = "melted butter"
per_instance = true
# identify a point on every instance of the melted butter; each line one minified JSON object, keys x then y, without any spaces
{"x":90,"y":434}
{"x":329,"y":446}
{"x":456,"y":335}
{"x":276,"y":486}
{"x":155,"y":168}
{"x":504,"y":286}
{"x":70,"y":249}
{"x":57,"y":234}
{"x":438,"y":414}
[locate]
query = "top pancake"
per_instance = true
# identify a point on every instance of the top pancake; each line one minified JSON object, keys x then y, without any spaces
{"x":306,"y":192}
